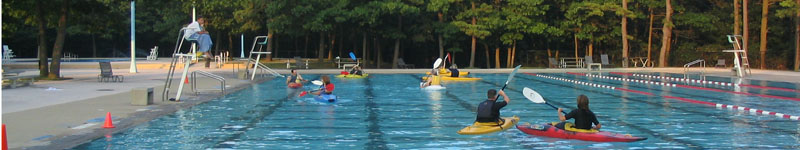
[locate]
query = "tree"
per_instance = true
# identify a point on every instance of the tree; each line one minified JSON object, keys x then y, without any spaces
{"x":667,"y":35}
{"x":763,"y":42}
{"x":58,"y":46}
{"x":624,"y":30}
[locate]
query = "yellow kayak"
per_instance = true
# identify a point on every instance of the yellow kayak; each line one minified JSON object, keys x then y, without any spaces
{"x":352,"y":76}
{"x":448,"y":78}
{"x":448,"y":73}
{"x":483,"y":128}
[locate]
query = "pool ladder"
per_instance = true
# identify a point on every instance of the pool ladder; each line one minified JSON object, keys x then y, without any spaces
{"x":688,"y":65}
{"x":209,"y":75}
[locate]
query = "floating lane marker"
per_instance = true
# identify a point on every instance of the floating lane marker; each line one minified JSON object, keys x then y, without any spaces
{"x":695,"y":87}
{"x":624,"y":79}
{"x":771,"y":88}
{"x":717,"y":105}
{"x":675,"y":79}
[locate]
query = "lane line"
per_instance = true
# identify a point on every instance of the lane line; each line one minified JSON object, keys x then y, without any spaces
{"x":730,"y":107}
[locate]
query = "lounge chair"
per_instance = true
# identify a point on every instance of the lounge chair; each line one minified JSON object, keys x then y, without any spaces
{"x":720,"y":62}
{"x":590,"y":63}
{"x":153,"y":54}
{"x":7,"y":54}
{"x":300,"y":63}
{"x":604,"y":61}
{"x":106,"y":75}
{"x":402,"y":64}
{"x":552,"y":63}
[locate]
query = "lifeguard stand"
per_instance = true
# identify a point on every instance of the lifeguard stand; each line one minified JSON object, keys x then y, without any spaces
{"x":740,"y":62}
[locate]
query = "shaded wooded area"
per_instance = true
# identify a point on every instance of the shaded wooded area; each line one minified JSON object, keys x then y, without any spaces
{"x":506,"y":32}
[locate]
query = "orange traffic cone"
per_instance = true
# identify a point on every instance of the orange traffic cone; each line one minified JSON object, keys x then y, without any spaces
{"x":186,"y":81}
{"x":108,"y":123}
{"x":5,"y":139}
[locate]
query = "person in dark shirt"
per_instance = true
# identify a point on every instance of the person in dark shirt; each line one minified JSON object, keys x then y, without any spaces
{"x":489,"y":110}
{"x":453,"y":70}
{"x":583,"y":116}
{"x":356,"y":70}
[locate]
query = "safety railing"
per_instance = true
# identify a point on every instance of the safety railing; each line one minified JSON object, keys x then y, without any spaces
{"x":209,"y":75}
{"x":689,"y":65}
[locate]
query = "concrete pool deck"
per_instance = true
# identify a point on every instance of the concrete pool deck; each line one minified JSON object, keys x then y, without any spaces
{"x":62,"y":114}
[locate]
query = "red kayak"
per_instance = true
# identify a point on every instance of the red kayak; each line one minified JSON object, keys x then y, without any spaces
{"x":295,"y":85}
{"x":549,"y":130}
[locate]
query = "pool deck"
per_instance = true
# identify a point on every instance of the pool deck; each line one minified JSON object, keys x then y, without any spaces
{"x":66,"y":113}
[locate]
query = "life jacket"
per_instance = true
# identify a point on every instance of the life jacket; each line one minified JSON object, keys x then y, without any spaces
{"x":294,"y":79}
{"x":485,"y":109}
{"x":436,"y":80}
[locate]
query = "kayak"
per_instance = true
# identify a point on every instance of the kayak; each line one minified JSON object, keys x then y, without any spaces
{"x":432,"y":87}
{"x":460,"y":74}
{"x":448,"y":78}
{"x":483,"y":128}
{"x":295,"y":85}
{"x":352,"y":76}
{"x":549,"y":130}
{"x":326,"y":98}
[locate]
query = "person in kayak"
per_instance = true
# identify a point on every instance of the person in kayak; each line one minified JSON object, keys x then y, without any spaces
{"x":327,"y":87}
{"x":583,"y":116}
{"x":433,"y":79}
{"x":453,"y":70}
{"x":356,"y":70}
{"x":489,"y":110}
{"x":294,"y":78}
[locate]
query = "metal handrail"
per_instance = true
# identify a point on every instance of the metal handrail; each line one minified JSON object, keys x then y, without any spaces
{"x":209,"y":75}
{"x":687,"y":65}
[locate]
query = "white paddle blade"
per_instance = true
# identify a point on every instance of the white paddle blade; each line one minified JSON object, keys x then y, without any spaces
{"x":437,"y":62}
{"x":511,"y":76}
{"x":532,"y":95}
{"x":316,"y":82}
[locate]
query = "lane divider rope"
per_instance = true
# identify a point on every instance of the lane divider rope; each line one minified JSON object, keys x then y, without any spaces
{"x":686,"y":86}
{"x":717,"y":105}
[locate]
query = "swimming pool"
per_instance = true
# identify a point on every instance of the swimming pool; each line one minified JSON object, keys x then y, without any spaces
{"x":390,"y":112}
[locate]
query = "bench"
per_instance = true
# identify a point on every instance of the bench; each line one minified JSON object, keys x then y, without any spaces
{"x":16,"y":81}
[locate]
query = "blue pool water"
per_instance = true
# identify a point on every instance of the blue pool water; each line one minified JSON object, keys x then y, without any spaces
{"x":390,"y":112}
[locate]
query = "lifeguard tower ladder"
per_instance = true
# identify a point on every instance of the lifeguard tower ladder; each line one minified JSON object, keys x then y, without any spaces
{"x":742,"y":67}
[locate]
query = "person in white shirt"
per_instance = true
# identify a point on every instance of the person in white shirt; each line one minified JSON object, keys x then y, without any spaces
{"x":196,"y":31}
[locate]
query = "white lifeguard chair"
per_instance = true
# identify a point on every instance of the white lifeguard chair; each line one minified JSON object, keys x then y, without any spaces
{"x":740,"y":62}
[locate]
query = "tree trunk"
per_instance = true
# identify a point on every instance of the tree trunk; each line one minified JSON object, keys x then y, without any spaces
{"x":513,"y":54}
{"x":488,"y":58}
{"x":497,"y":57}
{"x":667,"y":33}
{"x":321,"y":51}
{"x":472,"y":50}
{"x":380,"y":52}
{"x":576,"y":46}
{"x":737,"y":18}
{"x":43,"y":67}
{"x":397,"y":43}
{"x":590,"y":49}
{"x":746,"y":29}
{"x":763,"y":43}
{"x":649,"y":37}
{"x":508,"y":57}
{"x":270,"y":41}
{"x":230,"y":43}
{"x":624,"y":31}
{"x":333,"y":43}
{"x":797,"y":39}
{"x":364,"y":50}
{"x":305,"y":47}
{"x":441,"y":41}
{"x":55,"y":67}
{"x":94,"y":46}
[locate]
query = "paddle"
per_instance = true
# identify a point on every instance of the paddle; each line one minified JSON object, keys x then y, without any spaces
{"x":534,"y":97}
{"x":435,"y":64}
{"x":510,"y":77}
{"x":353,"y":56}
{"x":315,"y":82}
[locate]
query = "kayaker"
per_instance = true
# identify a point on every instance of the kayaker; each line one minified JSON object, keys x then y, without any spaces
{"x":583,"y":116}
{"x":433,"y":79}
{"x":489,"y":110}
{"x":294,"y":78}
{"x":327,"y":87}
{"x":453,"y":70}
{"x":356,"y":70}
